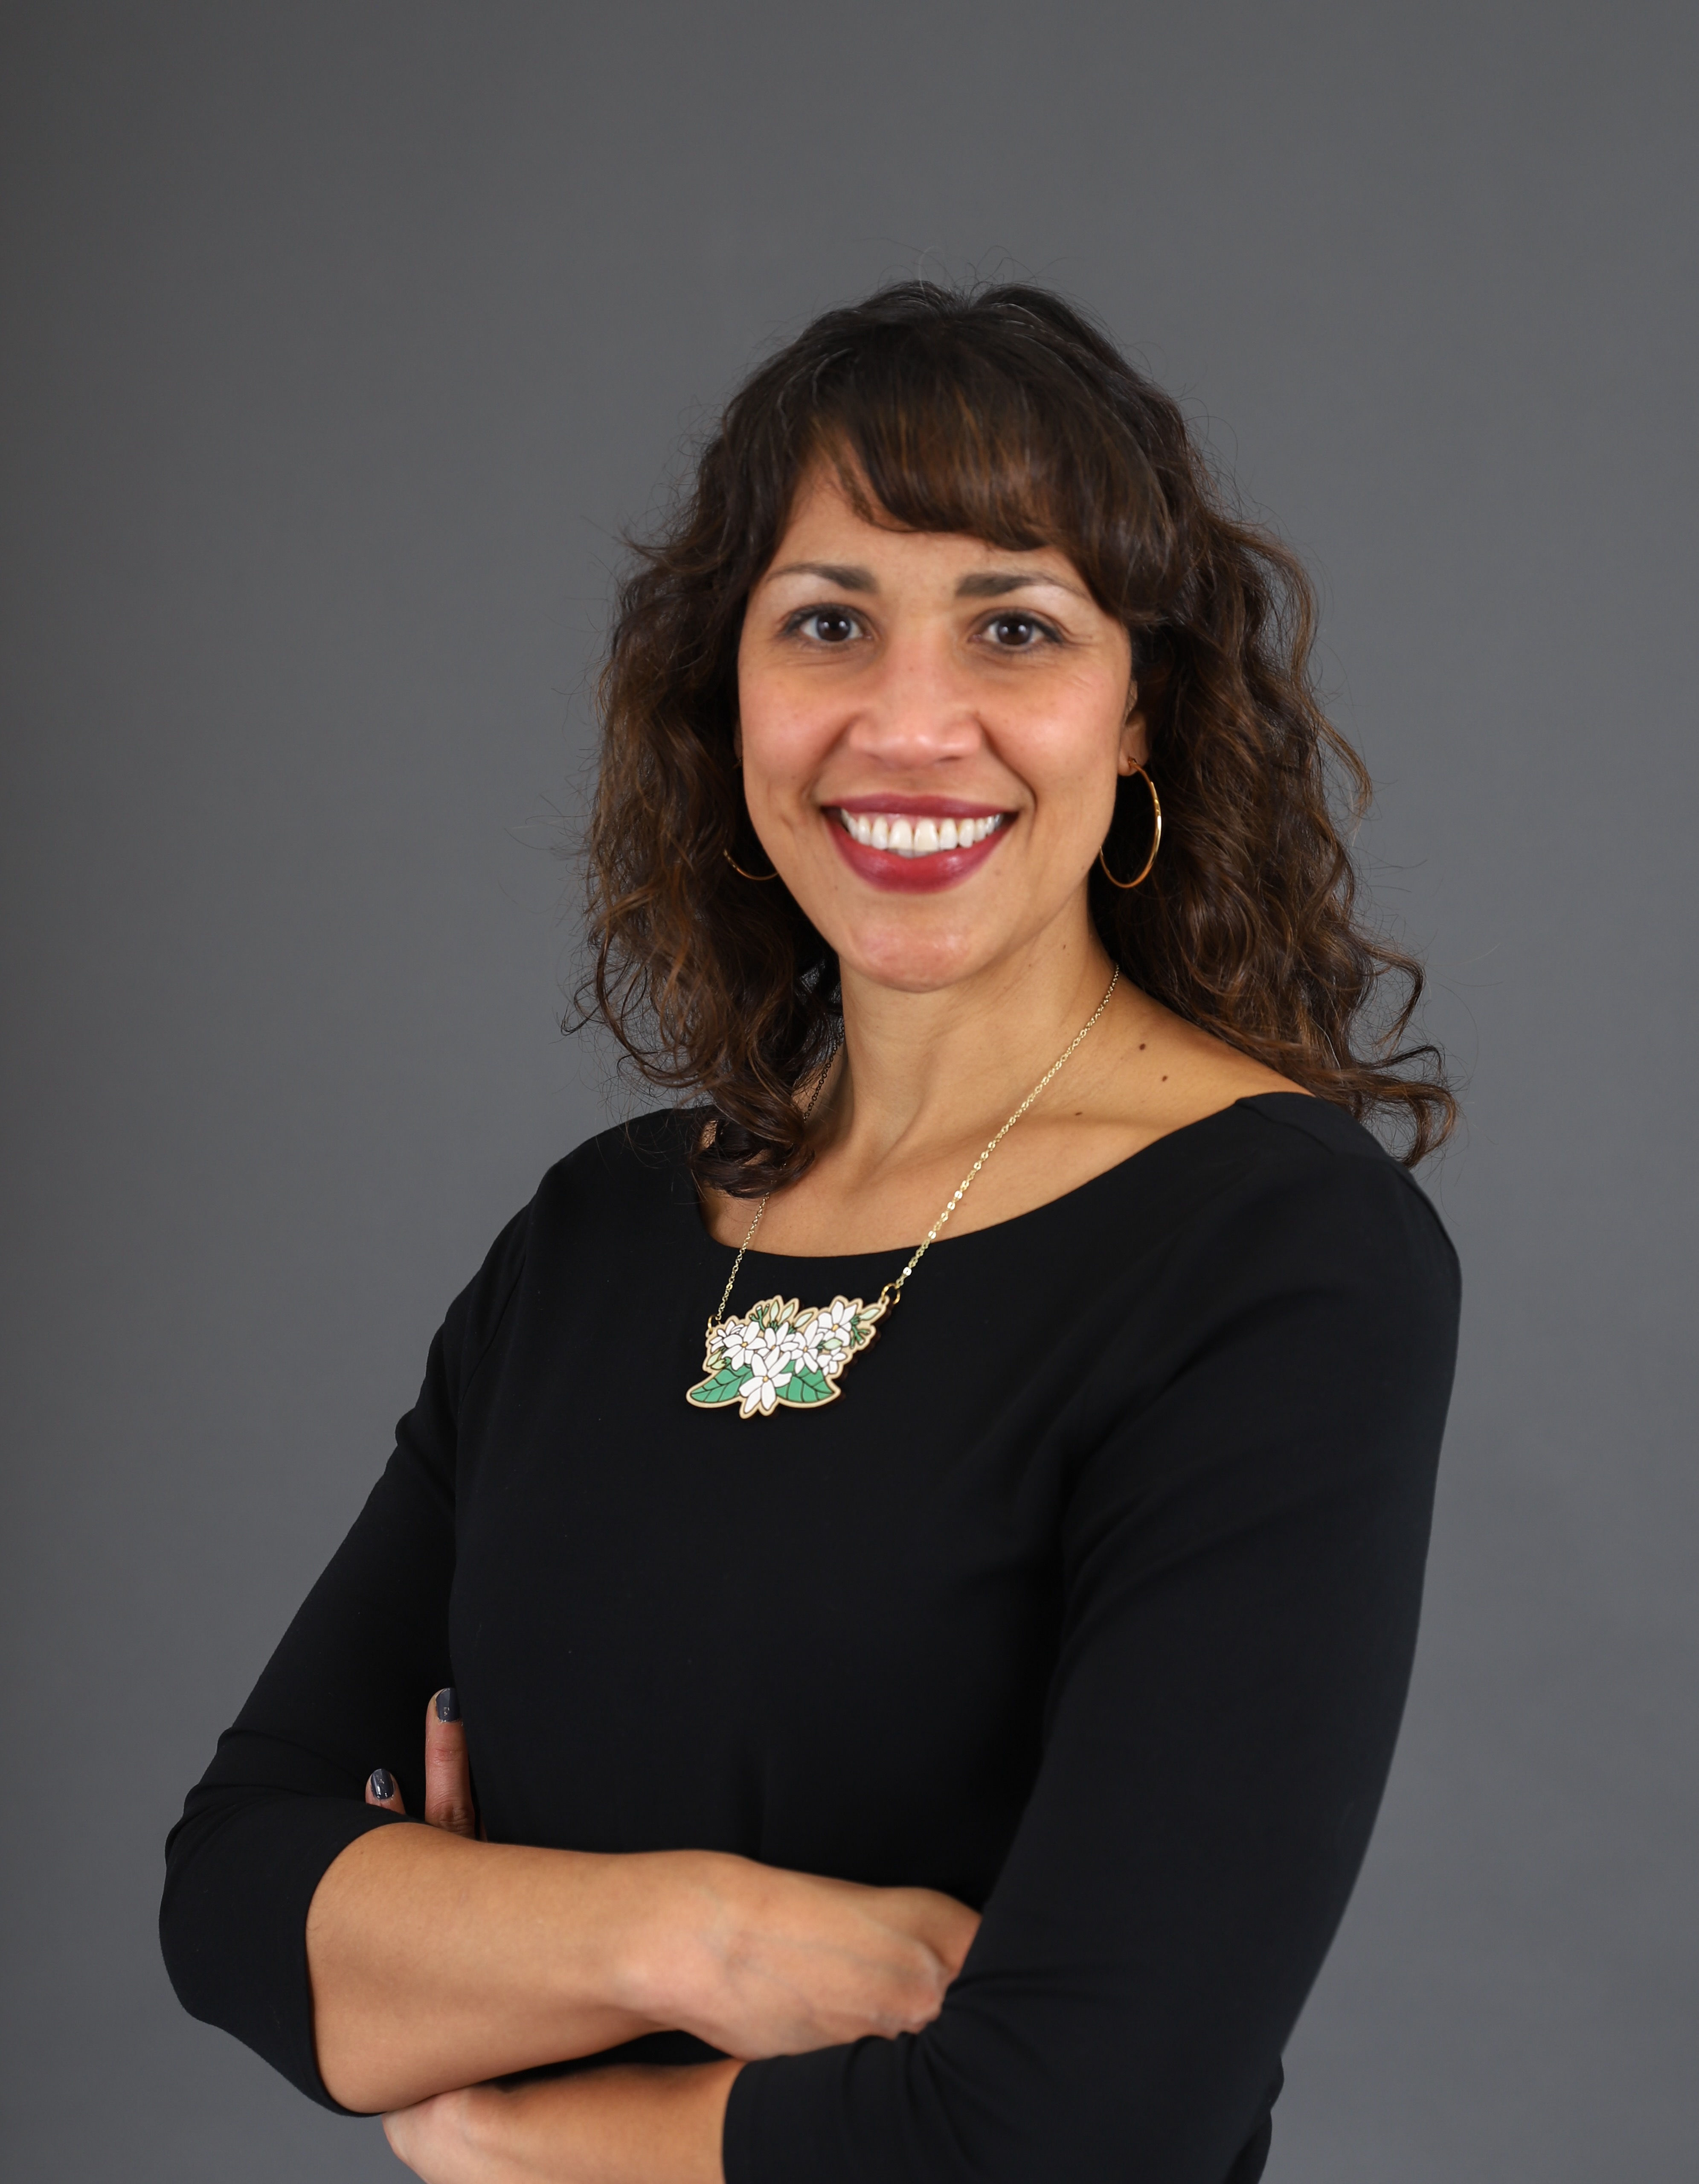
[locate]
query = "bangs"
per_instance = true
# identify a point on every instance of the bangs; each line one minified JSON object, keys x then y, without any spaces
{"x":1007,"y":415}
{"x":1003,"y":440}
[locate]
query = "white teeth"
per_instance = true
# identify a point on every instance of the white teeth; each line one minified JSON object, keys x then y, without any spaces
{"x":918,"y":837}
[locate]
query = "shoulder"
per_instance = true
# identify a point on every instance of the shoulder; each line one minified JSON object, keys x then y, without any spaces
{"x":1281,"y":1200}
{"x":1299,"y":1141}
{"x":628,"y":1181}
{"x":627,"y":1195}
{"x":1278,"y":1205}
{"x":1158,"y":1073}
{"x":1289,"y":1305}
{"x":638,"y":1170}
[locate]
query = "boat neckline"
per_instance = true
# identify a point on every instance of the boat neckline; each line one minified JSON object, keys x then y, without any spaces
{"x":1001,"y":1228}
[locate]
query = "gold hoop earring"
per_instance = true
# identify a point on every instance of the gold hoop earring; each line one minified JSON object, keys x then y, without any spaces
{"x":1127,"y":886}
{"x":760,"y":878}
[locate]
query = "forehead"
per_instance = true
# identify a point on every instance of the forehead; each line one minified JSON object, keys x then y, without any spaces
{"x":826,"y":527}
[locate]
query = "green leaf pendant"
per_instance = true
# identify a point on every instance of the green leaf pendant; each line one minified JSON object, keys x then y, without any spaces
{"x":783,"y":1354}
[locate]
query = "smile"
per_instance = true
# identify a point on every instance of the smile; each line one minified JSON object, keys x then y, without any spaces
{"x":922,"y":837}
{"x":915,"y":852}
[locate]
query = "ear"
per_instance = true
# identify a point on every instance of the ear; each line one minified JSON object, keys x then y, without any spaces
{"x":1135,"y":743}
{"x":737,"y":743}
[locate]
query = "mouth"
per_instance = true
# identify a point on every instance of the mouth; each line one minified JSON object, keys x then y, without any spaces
{"x":905,"y":834}
{"x":916,"y":850}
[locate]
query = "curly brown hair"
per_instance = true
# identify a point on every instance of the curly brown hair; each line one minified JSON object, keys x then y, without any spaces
{"x":1001,"y":414}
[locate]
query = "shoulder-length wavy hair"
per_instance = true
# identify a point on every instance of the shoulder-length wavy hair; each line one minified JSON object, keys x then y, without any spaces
{"x":1002,"y":414}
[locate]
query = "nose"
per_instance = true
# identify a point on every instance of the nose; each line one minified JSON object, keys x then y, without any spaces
{"x":918,"y":708}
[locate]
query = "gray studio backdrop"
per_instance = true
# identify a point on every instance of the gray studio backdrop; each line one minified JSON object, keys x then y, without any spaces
{"x":341,"y":341}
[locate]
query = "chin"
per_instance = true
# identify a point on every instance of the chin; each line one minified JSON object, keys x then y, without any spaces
{"x":911,"y":962}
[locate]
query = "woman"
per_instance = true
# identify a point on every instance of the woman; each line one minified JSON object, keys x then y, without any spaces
{"x":927,"y":1723}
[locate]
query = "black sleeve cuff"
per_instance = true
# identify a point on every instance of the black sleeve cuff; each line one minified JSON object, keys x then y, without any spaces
{"x":240,"y":1878}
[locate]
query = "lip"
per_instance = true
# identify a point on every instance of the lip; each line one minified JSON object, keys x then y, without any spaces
{"x":899,"y":875}
{"x":918,"y":807}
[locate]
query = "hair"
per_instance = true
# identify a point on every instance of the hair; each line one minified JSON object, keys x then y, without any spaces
{"x":1001,"y":414}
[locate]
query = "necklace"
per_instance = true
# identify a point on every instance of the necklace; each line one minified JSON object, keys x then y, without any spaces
{"x":783,"y":1353}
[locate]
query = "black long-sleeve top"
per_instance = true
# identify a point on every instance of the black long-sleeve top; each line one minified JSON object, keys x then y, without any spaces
{"x":1091,"y":1600}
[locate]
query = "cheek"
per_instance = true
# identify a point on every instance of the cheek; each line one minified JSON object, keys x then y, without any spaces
{"x":783,"y":739}
{"x":1069,"y":752}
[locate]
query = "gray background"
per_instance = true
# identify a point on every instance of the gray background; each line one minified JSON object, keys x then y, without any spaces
{"x":340,"y":341}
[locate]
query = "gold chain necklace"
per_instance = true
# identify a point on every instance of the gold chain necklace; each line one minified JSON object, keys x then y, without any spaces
{"x":781,"y":1353}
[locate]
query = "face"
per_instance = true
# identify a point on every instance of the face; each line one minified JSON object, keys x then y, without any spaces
{"x":932,"y":730}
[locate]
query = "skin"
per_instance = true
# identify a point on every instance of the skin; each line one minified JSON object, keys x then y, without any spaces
{"x":952,"y":668}
{"x":888,"y":671}
{"x":439,"y":1959}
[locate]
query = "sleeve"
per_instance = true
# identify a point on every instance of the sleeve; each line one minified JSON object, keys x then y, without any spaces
{"x":344,"y":1693}
{"x":1243,"y":1549}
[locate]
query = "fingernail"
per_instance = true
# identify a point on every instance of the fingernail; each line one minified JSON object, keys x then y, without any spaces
{"x":447,"y":1706}
{"x":383,"y":1783}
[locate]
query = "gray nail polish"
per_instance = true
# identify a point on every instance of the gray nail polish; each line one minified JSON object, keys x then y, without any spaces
{"x":447,"y":1706}
{"x":383,"y":1783}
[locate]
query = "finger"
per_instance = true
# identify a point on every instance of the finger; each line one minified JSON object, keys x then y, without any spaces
{"x":940,"y":1923}
{"x":448,"y":1771}
{"x":383,"y":1788}
{"x":430,"y":2137}
{"x":950,"y":1929}
{"x":950,"y":1932}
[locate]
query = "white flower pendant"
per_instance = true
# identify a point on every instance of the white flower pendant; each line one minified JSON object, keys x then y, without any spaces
{"x":783,"y":1353}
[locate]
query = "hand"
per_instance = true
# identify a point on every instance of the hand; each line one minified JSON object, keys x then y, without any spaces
{"x":759,"y":1961}
{"x":452,"y":2138}
{"x":625,"y":2124}
{"x":752,"y":1958}
{"x":448,"y":1772}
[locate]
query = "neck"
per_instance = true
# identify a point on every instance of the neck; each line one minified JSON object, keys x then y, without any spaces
{"x":919,"y":1068}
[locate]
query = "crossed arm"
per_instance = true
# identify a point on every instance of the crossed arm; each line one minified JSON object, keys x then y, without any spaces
{"x":439,"y":1962}
{"x":1244,"y":1558}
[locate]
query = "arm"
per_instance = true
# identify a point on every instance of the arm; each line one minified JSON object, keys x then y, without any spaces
{"x":436,"y":1961}
{"x":1242,"y":1549}
{"x":487,"y":2134}
{"x":281,"y":1802}
{"x":376,"y":1962}
{"x":1243,"y":1546}
{"x":622,"y":2125}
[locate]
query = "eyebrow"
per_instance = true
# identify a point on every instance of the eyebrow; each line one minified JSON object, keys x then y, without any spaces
{"x":984,"y":584}
{"x":844,"y":575}
{"x":998,"y":583}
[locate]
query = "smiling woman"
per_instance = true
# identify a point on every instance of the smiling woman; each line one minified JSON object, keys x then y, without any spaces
{"x":950,"y":1772}
{"x":835,"y":702}
{"x":998,"y":452}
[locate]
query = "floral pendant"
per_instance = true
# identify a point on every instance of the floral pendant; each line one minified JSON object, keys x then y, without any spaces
{"x":783,"y":1353}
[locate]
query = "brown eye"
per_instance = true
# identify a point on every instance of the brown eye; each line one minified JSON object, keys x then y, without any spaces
{"x":1016,"y":632}
{"x":827,"y":624}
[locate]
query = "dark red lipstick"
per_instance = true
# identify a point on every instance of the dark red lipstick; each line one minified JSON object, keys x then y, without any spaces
{"x":909,"y":874}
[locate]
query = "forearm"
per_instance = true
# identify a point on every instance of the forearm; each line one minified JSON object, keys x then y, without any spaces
{"x":619,"y":2126}
{"x":437,"y":1962}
